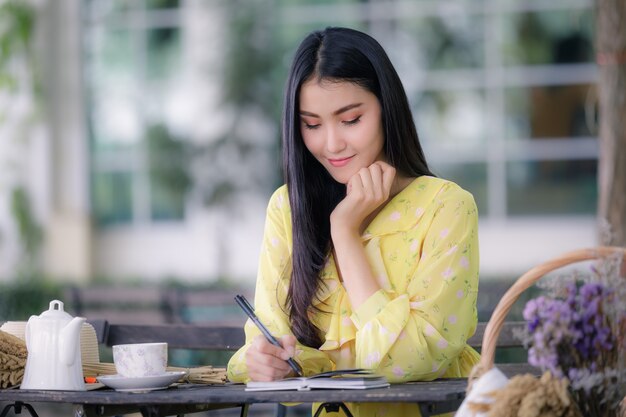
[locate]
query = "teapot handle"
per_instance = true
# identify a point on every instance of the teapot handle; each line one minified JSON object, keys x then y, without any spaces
{"x":56,"y":305}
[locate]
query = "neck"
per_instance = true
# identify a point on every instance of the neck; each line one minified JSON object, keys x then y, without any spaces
{"x":399,"y":184}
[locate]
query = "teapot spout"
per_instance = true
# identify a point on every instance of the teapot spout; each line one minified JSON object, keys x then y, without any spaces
{"x":69,"y":341}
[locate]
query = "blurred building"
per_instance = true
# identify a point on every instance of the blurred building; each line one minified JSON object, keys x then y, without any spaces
{"x":159,"y":146}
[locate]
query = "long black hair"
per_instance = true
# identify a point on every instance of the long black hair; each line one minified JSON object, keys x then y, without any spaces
{"x":335,"y":54}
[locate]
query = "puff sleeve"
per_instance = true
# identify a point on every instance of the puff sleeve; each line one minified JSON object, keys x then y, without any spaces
{"x":418,"y":332}
{"x":273,"y":276}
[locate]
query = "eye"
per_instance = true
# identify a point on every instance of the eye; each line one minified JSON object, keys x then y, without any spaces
{"x":352,"y":122}
{"x":310,"y":127}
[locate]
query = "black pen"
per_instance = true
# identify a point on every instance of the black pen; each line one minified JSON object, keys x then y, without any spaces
{"x":247,"y":308}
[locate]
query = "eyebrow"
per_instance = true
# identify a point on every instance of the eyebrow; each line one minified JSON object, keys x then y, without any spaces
{"x":335,"y":113}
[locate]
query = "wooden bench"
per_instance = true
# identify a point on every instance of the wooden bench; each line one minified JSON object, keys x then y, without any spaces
{"x":199,"y":336}
{"x":153,"y":305}
{"x":119,"y":304}
{"x":177,"y":336}
{"x":511,"y":338}
{"x":215,"y":307}
{"x":231,"y":338}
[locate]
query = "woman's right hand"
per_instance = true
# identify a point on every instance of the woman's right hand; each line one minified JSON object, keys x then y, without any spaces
{"x":367,"y":190}
{"x":267,"y":362}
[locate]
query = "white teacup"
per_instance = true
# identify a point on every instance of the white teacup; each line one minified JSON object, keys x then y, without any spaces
{"x":140,"y":359}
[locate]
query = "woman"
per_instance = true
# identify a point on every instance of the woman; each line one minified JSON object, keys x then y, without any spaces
{"x":368,"y":260}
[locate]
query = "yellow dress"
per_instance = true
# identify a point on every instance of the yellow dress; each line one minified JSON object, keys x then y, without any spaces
{"x":423,"y":250}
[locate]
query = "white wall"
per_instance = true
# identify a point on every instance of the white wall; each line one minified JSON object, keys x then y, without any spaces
{"x":509,"y":248}
{"x":67,"y":246}
{"x":189,"y":251}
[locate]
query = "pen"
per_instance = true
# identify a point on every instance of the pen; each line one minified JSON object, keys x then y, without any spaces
{"x":247,"y":308}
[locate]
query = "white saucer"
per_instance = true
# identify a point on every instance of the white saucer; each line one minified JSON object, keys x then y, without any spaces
{"x":141,"y":384}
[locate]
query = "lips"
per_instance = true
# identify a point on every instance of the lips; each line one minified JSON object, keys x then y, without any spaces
{"x":339,"y":162}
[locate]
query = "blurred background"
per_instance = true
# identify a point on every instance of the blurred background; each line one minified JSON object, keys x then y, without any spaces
{"x":140,"y":139}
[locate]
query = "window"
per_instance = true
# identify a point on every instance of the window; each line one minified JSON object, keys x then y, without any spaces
{"x":503,"y":94}
{"x":133,"y":55}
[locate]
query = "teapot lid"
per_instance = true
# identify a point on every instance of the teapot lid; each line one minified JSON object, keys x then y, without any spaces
{"x":55,"y":311}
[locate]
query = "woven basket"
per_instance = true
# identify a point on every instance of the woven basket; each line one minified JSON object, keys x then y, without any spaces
{"x":479,"y":399}
{"x":494,"y":326}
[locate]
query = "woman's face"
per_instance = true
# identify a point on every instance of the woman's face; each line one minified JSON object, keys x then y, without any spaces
{"x":341,"y":125}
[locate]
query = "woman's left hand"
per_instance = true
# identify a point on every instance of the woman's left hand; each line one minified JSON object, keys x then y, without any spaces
{"x":366,"y":191}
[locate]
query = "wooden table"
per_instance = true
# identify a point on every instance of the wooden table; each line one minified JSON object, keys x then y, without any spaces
{"x":433,"y":398}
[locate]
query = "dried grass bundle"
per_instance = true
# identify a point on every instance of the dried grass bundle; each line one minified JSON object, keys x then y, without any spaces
{"x":196,"y":375}
{"x":11,"y":370}
{"x":12,"y":360}
{"x":528,"y":396}
{"x":12,"y":345}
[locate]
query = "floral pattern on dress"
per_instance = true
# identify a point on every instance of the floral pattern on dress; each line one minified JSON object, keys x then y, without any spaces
{"x":423,"y":250}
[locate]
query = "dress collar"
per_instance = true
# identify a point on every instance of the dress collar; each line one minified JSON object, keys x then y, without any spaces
{"x":405,"y":209}
{"x":401,"y":214}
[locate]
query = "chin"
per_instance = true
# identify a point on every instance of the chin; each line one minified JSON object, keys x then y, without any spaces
{"x":340,"y":180}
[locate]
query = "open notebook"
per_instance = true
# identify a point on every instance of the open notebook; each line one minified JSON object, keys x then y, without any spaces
{"x":339,"y":379}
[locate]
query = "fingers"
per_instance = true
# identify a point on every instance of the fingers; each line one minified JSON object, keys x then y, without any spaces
{"x":265,"y":347}
{"x":389,"y":174}
{"x":365,"y":175}
{"x":265,"y":373}
{"x":267,"y":362}
{"x":378,"y":189}
{"x":374,"y":182}
{"x":289,"y":345}
{"x":366,"y":190}
{"x":371,"y":180}
{"x":355,"y":185}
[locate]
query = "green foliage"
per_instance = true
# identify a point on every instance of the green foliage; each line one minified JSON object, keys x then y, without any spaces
{"x":167,"y":167}
{"x":29,"y":231}
{"x":162,"y":4}
{"x":549,"y":37}
{"x":253,"y":71}
{"x":166,"y":155}
{"x":17,"y":21}
{"x":20,"y":300}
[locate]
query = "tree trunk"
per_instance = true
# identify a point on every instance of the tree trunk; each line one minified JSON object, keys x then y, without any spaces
{"x":611,"y":58}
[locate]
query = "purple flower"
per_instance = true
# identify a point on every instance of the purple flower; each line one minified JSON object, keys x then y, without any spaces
{"x":578,"y":332}
{"x":570,"y":333}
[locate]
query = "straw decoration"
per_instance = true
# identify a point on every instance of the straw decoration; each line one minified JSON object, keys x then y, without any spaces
{"x":12,"y":360}
{"x":528,"y":396}
{"x":196,"y":375}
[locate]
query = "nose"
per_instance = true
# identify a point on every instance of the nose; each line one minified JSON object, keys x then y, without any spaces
{"x":334,"y":142}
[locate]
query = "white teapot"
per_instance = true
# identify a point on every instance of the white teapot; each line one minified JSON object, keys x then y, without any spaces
{"x":53,"y":343}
